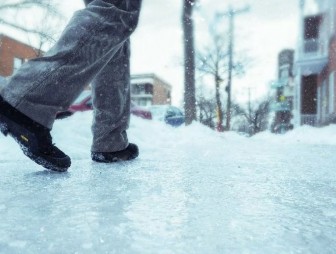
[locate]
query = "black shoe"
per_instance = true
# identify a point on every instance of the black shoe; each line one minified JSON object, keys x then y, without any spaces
{"x":34,"y":139}
{"x":129,"y":153}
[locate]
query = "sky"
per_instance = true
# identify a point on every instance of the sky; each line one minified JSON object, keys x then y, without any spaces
{"x":261,"y":34}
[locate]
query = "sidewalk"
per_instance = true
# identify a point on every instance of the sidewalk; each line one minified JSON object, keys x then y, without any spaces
{"x":191,"y":191}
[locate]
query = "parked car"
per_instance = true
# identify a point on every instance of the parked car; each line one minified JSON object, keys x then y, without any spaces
{"x":84,"y":103}
{"x":169,"y":114}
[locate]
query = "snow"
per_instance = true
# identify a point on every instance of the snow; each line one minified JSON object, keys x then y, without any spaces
{"x":191,"y":190}
{"x":305,"y":135}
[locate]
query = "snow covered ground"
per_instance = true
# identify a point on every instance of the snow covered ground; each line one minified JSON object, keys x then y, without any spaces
{"x":191,"y":190}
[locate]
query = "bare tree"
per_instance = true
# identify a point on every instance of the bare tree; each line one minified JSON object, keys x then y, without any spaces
{"x":206,"y":106}
{"x":257,"y":115}
{"x":49,"y":26}
{"x":189,"y":62}
{"x":213,"y":61}
{"x":8,"y":8}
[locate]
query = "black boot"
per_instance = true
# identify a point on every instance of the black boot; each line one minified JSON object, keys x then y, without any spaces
{"x":129,"y":153}
{"x":34,"y":139}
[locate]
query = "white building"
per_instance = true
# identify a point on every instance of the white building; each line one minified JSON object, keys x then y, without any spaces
{"x":315,"y":64}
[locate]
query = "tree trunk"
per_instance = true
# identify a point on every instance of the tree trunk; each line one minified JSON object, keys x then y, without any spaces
{"x":189,"y":62}
{"x":219,"y":104}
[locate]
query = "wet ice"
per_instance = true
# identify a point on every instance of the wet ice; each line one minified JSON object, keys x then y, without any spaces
{"x":192,"y":190}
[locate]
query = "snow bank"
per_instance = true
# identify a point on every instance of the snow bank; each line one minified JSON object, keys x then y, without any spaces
{"x":73,"y":135}
{"x":304,"y":134}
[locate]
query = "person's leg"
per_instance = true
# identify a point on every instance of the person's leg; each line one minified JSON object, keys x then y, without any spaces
{"x":111,"y":101}
{"x":45,"y":85}
{"x":48,"y":84}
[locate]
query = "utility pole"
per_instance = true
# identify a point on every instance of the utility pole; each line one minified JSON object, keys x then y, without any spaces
{"x":231,"y":13}
{"x":249,"y":101}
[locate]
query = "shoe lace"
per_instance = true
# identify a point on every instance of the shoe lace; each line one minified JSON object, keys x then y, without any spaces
{"x":45,"y":142}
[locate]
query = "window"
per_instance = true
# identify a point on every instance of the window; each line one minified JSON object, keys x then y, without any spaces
{"x":17,"y":63}
{"x":136,"y":89}
{"x":311,"y":29}
{"x":148,"y":88}
{"x":89,"y":103}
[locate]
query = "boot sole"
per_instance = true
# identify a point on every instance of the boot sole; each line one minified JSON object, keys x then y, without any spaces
{"x":6,"y":130}
{"x":116,"y":158}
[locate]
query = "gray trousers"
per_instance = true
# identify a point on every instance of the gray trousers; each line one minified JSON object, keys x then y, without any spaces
{"x":94,"y":48}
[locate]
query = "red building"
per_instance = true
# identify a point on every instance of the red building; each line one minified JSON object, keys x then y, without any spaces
{"x":149,"y":89}
{"x":13,"y":53}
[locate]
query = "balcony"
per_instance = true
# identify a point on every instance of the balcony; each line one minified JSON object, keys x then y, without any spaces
{"x":313,"y":56}
{"x":142,"y":90}
{"x":142,"y":95}
{"x":309,"y":120}
{"x":311,"y":46}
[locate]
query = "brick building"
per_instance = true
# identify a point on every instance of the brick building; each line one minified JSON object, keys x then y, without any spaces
{"x":13,"y":53}
{"x":148,"y":89}
{"x":316,"y":65}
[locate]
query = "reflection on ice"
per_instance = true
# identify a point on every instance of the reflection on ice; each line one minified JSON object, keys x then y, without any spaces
{"x":191,"y":191}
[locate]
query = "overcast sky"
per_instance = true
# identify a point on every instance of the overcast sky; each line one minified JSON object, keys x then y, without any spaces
{"x":266,"y":29}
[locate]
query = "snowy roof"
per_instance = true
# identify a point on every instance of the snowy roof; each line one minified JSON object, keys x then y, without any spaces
{"x":148,"y":78}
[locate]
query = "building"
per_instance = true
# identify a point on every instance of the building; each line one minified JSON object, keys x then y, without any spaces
{"x":315,"y":64}
{"x":148,"y":89}
{"x":13,"y":53}
{"x":284,"y":92}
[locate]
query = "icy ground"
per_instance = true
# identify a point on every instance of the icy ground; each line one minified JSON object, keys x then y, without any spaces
{"x":191,"y":191}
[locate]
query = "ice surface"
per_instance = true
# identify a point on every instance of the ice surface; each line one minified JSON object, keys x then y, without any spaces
{"x":191,"y":190}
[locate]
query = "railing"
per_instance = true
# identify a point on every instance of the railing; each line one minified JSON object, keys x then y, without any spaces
{"x":309,"y":120}
{"x":142,"y":95}
{"x":312,"y":48}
